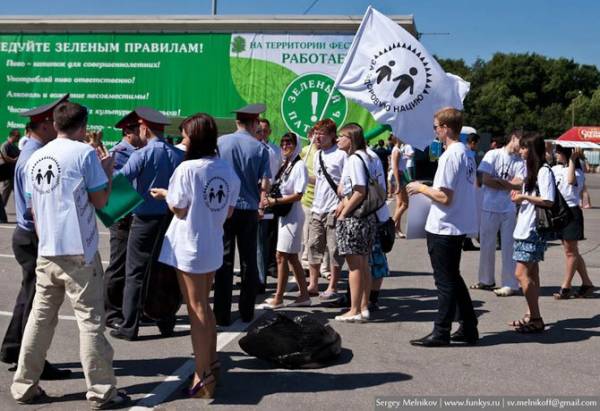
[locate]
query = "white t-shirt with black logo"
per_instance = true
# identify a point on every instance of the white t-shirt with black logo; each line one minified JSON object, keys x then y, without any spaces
{"x":526,"y":219}
{"x":326,"y":199}
{"x":59,"y":176}
{"x":571,"y":192}
{"x":207,"y":187}
{"x":456,"y":172}
{"x":499,"y":163}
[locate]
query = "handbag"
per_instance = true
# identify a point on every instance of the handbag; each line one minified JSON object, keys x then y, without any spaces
{"x":374,"y":197}
{"x":280,"y":210}
{"x":555,"y":218}
{"x":386,"y":232}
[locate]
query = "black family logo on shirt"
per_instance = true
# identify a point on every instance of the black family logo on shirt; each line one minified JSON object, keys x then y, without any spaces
{"x":403,"y":65}
{"x":45,"y":174}
{"x":471,"y":170}
{"x":215,"y":194}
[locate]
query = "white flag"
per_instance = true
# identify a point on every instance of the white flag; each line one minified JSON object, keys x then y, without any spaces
{"x":390,"y":73}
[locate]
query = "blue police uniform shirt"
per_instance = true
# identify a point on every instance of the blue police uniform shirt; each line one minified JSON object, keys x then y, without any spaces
{"x":121,"y":153}
{"x":24,"y":217}
{"x":250,"y":160}
{"x":152,"y":167}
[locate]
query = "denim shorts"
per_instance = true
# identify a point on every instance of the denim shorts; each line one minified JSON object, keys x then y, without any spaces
{"x":530,"y":250}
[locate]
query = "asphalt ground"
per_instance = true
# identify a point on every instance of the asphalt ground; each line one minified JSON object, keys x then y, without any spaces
{"x":377,"y":359}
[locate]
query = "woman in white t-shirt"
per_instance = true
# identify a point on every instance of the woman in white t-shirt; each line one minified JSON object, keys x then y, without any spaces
{"x":292,"y":178}
{"x":202,"y":194}
{"x":538,"y":191}
{"x":399,"y":170}
{"x":571,"y":180}
{"x":355,"y":235}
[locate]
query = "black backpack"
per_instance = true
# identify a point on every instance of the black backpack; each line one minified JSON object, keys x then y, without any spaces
{"x":553,"y":219}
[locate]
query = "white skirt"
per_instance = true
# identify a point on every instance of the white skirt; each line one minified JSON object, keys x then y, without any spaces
{"x":289,"y":236}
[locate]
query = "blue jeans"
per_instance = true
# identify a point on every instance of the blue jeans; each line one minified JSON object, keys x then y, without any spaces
{"x":454,"y":301}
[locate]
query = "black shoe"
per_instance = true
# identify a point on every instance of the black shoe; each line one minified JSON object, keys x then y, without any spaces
{"x":118,"y":334}
{"x":166,"y":330}
{"x":115,"y":325}
{"x":374,"y":307}
{"x":469,"y":246}
{"x":469,"y":338}
{"x":52,"y":373}
{"x":430,"y":341}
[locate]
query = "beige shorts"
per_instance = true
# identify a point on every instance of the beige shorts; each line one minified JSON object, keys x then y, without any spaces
{"x":321,"y":237}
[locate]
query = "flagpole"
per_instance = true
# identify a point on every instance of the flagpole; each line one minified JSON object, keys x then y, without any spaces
{"x":326,"y":103}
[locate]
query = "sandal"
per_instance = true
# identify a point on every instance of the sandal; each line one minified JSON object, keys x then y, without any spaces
{"x":533,"y":326}
{"x":205,"y":388}
{"x":562,"y":294}
{"x":482,"y":286}
{"x":519,"y":323}
{"x":585,"y":291}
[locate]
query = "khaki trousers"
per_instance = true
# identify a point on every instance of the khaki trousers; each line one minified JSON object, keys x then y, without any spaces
{"x":84,"y":288}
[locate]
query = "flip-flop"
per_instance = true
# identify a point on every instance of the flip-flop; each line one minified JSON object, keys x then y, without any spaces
{"x":305,"y":303}
{"x":269,"y":305}
{"x":328,"y":295}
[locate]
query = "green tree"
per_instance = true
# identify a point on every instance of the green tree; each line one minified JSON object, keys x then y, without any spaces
{"x":238,"y":45}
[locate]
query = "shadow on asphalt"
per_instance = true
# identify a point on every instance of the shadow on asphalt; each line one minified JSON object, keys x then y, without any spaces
{"x":249,"y":388}
{"x":563,"y":331}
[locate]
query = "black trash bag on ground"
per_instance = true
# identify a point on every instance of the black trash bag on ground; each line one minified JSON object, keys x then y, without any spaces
{"x":299,"y":343}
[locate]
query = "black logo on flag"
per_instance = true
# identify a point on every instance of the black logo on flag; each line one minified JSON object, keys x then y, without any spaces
{"x":399,"y":78}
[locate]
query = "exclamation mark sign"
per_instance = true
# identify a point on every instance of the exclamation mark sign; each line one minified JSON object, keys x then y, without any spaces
{"x":314,"y":99}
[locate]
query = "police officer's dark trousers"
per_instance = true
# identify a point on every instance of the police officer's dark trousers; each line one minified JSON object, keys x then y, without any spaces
{"x":114,"y":275}
{"x":25,"y":247}
{"x":142,"y":236}
{"x":241,"y":227}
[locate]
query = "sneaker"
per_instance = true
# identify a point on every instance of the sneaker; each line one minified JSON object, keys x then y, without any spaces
{"x":504,"y":291}
{"x":118,"y":401}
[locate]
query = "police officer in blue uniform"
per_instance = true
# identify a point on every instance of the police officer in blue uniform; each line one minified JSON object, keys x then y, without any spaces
{"x":250,"y":160}
{"x":114,"y":276}
{"x":25,"y":240}
{"x":148,"y":167}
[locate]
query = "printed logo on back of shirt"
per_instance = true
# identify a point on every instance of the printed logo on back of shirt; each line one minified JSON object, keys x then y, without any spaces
{"x":216,"y":193}
{"x":45,"y":174}
{"x":470,"y":170}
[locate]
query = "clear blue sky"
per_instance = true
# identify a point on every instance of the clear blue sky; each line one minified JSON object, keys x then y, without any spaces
{"x":478,"y":28}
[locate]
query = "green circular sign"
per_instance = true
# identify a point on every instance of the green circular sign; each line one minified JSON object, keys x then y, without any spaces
{"x":304,"y":100}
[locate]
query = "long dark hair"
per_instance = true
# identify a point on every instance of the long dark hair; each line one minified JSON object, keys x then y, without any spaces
{"x":356,"y":135}
{"x":201,"y":129}
{"x":567,"y":151}
{"x":536,"y":157}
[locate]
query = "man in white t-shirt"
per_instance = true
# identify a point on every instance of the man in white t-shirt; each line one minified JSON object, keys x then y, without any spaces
{"x":450,"y":219}
{"x":328,"y":164}
{"x":66,"y":181}
{"x":502,"y":170}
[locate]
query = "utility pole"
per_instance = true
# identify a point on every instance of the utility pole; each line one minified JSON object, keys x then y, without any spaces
{"x":214,"y":7}
{"x":579,"y":93}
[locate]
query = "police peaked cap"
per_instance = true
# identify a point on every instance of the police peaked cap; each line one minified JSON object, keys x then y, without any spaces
{"x":44,"y":112}
{"x":250,"y":111}
{"x":145,"y":114}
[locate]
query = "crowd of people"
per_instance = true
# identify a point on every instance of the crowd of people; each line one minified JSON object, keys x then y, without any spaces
{"x":286,"y":208}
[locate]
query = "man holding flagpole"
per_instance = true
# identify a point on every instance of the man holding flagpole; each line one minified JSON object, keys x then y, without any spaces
{"x":392,"y":75}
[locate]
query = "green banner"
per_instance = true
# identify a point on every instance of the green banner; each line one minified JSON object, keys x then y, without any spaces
{"x":178,"y":74}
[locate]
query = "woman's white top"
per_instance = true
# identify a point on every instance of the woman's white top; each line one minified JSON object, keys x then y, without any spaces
{"x":571,"y":192}
{"x":526,"y":219}
{"x":207,"y":187}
